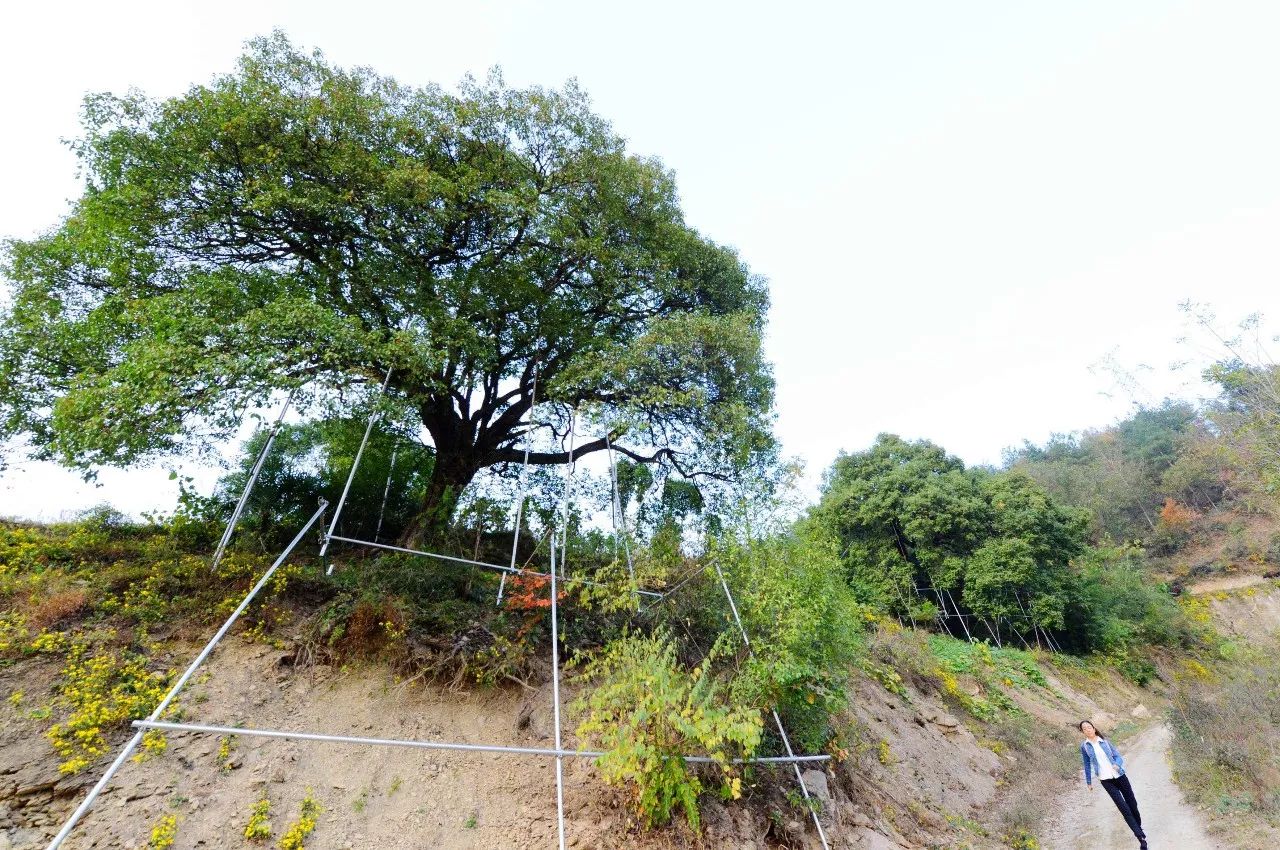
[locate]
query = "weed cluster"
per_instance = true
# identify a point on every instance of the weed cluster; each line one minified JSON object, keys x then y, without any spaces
{"x":259,"y":826}
{"x":1226,"y":749}
{"x":103,"y":690}
{"x":295,"y":837}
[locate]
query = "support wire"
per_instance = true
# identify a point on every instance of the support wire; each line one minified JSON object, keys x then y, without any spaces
{"x":248,"y":487}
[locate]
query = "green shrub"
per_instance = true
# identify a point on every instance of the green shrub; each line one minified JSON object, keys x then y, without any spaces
{"x":1115,"y":607}
{"x":805,"y":627}
{"x":646,"y":711}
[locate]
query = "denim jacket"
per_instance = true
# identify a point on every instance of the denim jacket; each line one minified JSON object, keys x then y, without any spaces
{"x":1091,"y":761}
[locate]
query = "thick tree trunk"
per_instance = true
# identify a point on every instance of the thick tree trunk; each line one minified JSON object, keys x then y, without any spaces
{"x":449,"y":478}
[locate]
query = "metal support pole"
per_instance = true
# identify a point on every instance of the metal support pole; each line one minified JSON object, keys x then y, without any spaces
{"x":620,"y":517}
{"x":555,"y":630}
{"x":782,"y":732}
{"x":960,"y":616}
{"x":939,"y":610}
{"x":515,"y":535}
{"x":994,"y":632}
{"x":248,"y":487}
{"x":555,"y":690}
{"x":132,"y":745}
{"x":1020,"y":635}
{"x":902,"y":597}
{"x":524,"y":471}
{"x":351,"y":476}
{"x":382,"y":511}
{"x":568,"y":489}
{"x":1035,"y":629}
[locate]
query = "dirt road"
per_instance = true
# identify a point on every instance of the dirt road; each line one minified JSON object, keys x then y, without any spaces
{"x":1090,"y":819}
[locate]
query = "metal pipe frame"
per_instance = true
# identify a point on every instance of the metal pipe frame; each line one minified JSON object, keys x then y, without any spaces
{"x":386,"y":492}
{"x":555,"y":687}
{"x":619,"y":518}
{"x":323,"y":737}
{"x":468,"y":561}
{"x":351,"y":476}
{"x":521,"y":491}
{"x":248,"y":487}
{"x":564,"y":497}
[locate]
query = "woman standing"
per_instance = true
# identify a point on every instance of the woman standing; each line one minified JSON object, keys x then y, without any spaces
{"x":1102,"y":760}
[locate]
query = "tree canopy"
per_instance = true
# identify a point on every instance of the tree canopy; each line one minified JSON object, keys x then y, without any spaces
{"x":296,"y":224}
{"x":913,"y":523}
{"x":1120,"y":474}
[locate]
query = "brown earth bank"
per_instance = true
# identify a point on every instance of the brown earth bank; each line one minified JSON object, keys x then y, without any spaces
{"x":918,"y":773}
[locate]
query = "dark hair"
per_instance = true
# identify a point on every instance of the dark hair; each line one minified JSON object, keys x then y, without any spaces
{"x":1080,"y":726}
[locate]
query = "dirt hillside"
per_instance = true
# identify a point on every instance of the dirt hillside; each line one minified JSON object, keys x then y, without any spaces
{"x":921,"y":774}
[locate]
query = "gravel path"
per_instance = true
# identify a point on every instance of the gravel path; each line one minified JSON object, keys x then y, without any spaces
{"x":1089,"y":818}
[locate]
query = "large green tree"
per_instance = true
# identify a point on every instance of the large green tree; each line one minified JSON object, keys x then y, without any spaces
{"x":295,"y":223}
{"x":912,"y":523}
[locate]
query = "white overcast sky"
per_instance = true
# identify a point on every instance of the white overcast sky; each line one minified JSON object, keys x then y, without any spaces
{"x":960,"y":207}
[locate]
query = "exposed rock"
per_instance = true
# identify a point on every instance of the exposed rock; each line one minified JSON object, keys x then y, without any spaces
{"x":1141,"y":712}
{"x":35,"y":788}
{"x":947,"y":723}
{"x":816,"y":782}
{"x":535,"y":716}
{"x":73,"y":784}
{"x":869,"y":839}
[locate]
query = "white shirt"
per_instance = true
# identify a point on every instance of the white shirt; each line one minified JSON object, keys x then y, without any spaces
{"x":1106,"y":770}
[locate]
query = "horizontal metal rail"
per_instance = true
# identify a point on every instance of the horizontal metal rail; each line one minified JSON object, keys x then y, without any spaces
{"x":486,"y":565}
{"x":434,"y":745}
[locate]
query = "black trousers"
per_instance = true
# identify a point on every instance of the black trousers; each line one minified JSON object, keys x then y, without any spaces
{"x":1122,"y":795}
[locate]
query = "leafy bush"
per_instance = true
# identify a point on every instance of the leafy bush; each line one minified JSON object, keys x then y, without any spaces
{"x":1226,"y":723}
{"x":1114,"y":608}
{"x":647,"y":711}
{"x":804,"y":625}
